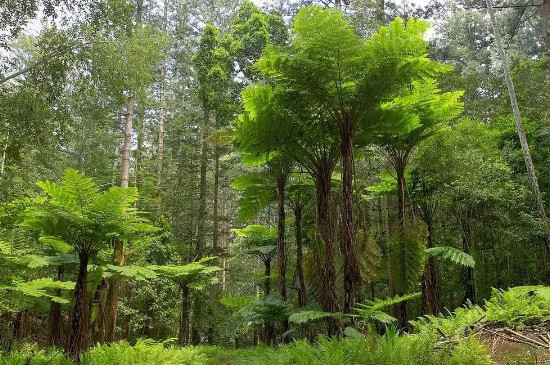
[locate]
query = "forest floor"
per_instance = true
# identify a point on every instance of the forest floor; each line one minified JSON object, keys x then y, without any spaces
{"x":529,"y":344}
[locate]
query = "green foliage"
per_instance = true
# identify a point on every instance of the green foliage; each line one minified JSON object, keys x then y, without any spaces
{"x":142,"y":353}
{"x":455,"y":255}
{"x":76,"y":213}
{"x":195,"y":275}
{"x":407,"y":255}
{"x":257,"y":191}
{"x":125,"y":66}
{"x":304,"y":316}
{"x":470,"y":351}
{"x":40,"y":288}
{"x":518,"y":305}
{"x":264,"y":311}
{"x":371,"y":311}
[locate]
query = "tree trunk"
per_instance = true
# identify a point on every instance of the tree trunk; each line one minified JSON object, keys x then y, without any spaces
{"x":430,"y":295}
{"x":160,"y":143}
{"x":127,"y":145}
{"x":183,"y":336}
{"x":267,"y":274}
{"x":281,"y":248}
{"x":467,"y":271}
{"x":302,"y":292}
{"x":325,"y":224}
{"x":216,"y":233}
{"x":533,"y":181}
{"x":79,"y":321}
{"x":201,"y":228}
{"x":55,"y":319}
{"x":401,"y":308}
{"x":4,"y":150}
{"x":112,"y":295}
{"x":545,"y":21}
{"x":352,"y":276}
{"x":101,"y":314}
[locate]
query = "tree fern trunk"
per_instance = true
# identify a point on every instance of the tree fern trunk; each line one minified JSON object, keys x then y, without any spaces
{"x":352,"y":276}
{"x":302,"y":293}
{"x":329,"y":298}
{"x":79,"y":320}
{"x":401,"y":308}
{"x":55,"y":318}
{"x":183,"y":336}
{"x":281,"y":249}
{"x":430,"y":296}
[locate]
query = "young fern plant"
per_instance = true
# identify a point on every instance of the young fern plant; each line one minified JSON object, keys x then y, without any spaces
{"x":77,"y":213}
{"x":371,"y":312}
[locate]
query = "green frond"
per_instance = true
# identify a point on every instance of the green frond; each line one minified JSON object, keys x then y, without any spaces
{"x":311,"y":315}
{"x":454,"y":254}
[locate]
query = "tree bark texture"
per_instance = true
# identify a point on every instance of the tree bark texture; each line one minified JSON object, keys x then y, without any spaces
{"x":281,"y":247}
{"x":183,"y":335}
{"x":302,"y":292}
{"x":325,"y":224}
{"x":55,"y":318}
{"x":352,"y":276}
{"x":430,"y":295}
{"x":79,"y":320}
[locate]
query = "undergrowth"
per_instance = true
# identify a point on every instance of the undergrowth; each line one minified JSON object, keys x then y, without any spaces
{"x":437,"y":340}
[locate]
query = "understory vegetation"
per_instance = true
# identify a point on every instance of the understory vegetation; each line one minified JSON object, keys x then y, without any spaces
{"x":439,"y":340}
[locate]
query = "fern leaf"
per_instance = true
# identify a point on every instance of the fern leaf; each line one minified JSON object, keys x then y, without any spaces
{"x":454,"y":254}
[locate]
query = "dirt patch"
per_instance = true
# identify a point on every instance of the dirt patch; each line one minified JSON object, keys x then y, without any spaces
{"x":525,"y":345}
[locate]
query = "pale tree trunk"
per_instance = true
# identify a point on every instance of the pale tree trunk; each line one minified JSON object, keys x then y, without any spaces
{"x":4,"y":150}
{"x":162,"y":97}
{"x":533,"y":182}
{"x":118,"y":253}
{"x":127,"y":145}
{"x":545,"y":20}
{"x":215,"y":218}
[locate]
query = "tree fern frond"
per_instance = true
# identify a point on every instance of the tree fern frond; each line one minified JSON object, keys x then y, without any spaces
{"x":454,"y":254}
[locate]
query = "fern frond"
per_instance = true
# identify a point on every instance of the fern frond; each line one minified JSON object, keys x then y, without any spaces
{"x":454,"y":254}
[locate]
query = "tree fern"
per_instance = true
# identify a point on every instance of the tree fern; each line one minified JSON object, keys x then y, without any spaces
{"x":454,"y":254}
{"x":372,"y":310}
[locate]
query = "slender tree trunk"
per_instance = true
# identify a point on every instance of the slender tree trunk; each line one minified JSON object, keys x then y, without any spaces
{"x":183,"y":336}
{"x":4,"y":150}
{"x":267,"y":274}
{"x":545,"y":20}
{"x":79,"y":321}
{"x":281,"y":247}
{"x":430,"y":295}
{"x":401,"y":308}
{"x":101,"y":314}
{"x":55,"y":319}
{"x":302,"y":292}
{"x":201,"y":228}
{"x":325,"y":224}
{"x":127,"y":145}
{"x":118,"y":252}
{"x":216,"y":233}
{"x":467,"y":271}
{"x":352,"y":276}
{"x":533,"y":181}
{"x":160,"y":145}
{"x":198,"y":302}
